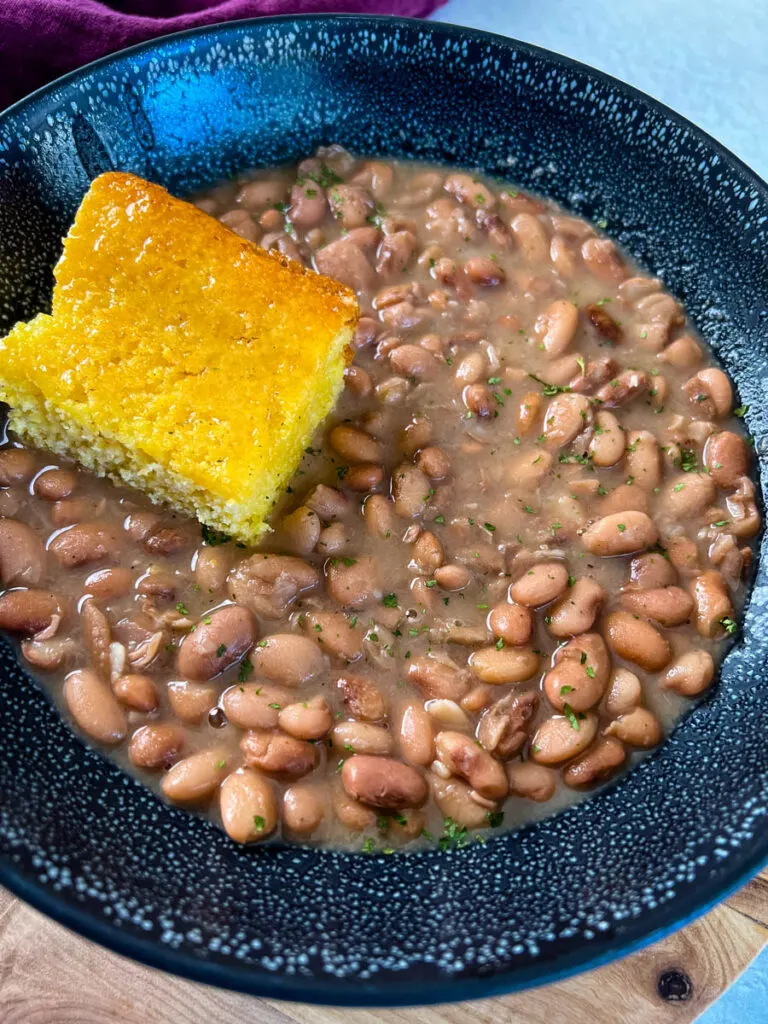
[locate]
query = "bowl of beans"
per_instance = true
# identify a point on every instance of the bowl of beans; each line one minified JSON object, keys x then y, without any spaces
{"x":485,"y":707}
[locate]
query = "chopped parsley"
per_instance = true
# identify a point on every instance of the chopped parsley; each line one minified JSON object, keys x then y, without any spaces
{"x":565,"y":689}
{"x":494,"y":818}
{"x":729,"y":625}
{"x":590,"y":671}
{"x":181,"y":608}
{"x":570,"y":714}
{"x":550,"y":389}
{"x":688,"y":462}
{"x":214,"y":537}
{"x":454,"y":835}
{"x":246,"y":668}
{"x":389,"y":600}
{"x":220,"y":650}
{"x":741,"y":411}
{"x":621,"y":527}
{"x":258,"y":823}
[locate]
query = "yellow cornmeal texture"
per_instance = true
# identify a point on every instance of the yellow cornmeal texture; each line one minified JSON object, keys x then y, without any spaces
{"x":179,"y":358}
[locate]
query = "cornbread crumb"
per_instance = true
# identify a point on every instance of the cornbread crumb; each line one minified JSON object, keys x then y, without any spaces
{"x":178,"y":358}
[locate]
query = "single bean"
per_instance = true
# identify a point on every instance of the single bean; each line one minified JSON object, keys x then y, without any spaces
{"x":559,"y":738}
{"x":434,"y":462}
{"x":712,"y":602}
{"x":577,"y":609}
{"x":336,"y":634}
{"x":511,"y":622}
{"x":598,"y":763}
{"x":287,"y":658}
{"x":727,"y":458}
{"x":575,"y":683}
{"x":415,"y":735}
{"x":333,"y":538}
{"x":353,"y":583}
{"x":453,"y":577}
{"x":484,"y":271}
{"x":453,"y":798}
{"x":191,"y":701}
{"x":378,"y":513}
{"x":248,"y":806}
{"x":470,"y":191}
{"x":531,"y":237}
{"x":83,"y":544}
{"x":447,"y":713}
{"x":437,"y":679}
{"x":637,"y":728}
{"x":622,"y":533}
{"x":710,"y":393}
{"x":531,"y":781}
{"x":267,"y":584}
{"x":216,"y":644}
{"x":22,"y":556}
{"x":156,"y":745}
{"x":637,"y":641}
{"x":683,"y":353}
{"x":624,"y":498}
{"x":211,"y":567}
{"x":690,"y":673}
{"x":528,"y":412}
{"x":650,"y":571}
{"x":556,"y":326}
{"x":426,"y":553}
{"x":603,"y":323}
{"x":301,"y":529}
{"x":256,"y":195}
{"x":274,"y":752}
{"x":362,"y":738}
{"x":307,"y":720}
{"x":383,"y":782}
{"x":49,"y":655}
{"x":543,"y":583}
{"x":683,"y":554}
{"x":461,"y":754}
{"x":624,"y":692}
{"x":329,"y":503}
{"x":354,"y":444}
{"x":505,"y":665}
{"x":644,"y":460}
{"x":602,"y":259}
{"x":362,"y":698}
{"x":94,"y":708}
{"x":529,"y":469}
{"x":29,"y":611}
{"x":195,"y":778}
{"x":669,"y":606}
{"x":137,"y":692}
{"x":686,"y":496}
{"x":303,"y":809}
{"x":566,"y":416}
{"x":254,"y":705}
{"x":17,"y":466}
{"x":608,"y":444}
{"x":346,"y":262}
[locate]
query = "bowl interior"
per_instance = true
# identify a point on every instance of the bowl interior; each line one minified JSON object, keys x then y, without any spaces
{"x":91,"y":846}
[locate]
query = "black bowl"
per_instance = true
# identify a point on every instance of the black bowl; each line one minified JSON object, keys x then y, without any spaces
{"x":93,"y":848}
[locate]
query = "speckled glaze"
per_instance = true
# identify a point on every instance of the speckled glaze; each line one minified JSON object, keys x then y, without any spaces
{"x":92,"y":847}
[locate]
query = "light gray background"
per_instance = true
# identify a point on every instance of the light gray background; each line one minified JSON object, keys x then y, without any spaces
{"x":709,"y":61}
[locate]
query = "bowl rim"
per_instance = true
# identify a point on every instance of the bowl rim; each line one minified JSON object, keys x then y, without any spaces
{"x":331,"y":991}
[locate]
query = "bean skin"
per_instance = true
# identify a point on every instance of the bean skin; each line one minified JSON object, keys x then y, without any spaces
{"x":637,"y":641}
{"x":596,"y":764}
{"x":622,"y":533}
{"x":557,"y":740}
{"x":531,"y":781}
{"x":437,"y":679}
{"x":383,"y":782}
{"x":689,"y":674}
{"x":638,"y":728}
{"x":461,"y":754}
{"x":94,"y":708}
{"x":727,"y":458}
{"x":669,"y":606}
{"x":248,"y":806}
{"x":272,"y":751}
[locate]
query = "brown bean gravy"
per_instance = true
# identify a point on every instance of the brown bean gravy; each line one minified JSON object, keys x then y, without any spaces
{"x":501,"y":571}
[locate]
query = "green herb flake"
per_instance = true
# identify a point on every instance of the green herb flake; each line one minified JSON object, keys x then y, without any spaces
{"x":246,"y":668}
{"x":494,"y":818}
{"x":621,"y":527}
{"x":571,"y":580}
{"x":565,"y":689}
{"x":440,"y":519}
{"x":500,"y":643}
{"x":741,"y":411}
{"x":220,"y":650}
{"x":214,"y":537}
{"x":571,"y":716}
{"x":590,"y":671}
{"x":181,"y":608}
{"x":729,"y":625}
{"x":547,"y":389}
{"x":389,"y":600}
{"x":258,"y":823}
{"x":454,"y":835}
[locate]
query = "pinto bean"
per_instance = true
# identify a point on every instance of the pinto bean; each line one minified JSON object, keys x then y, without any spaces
{"x":603,"y":322}
{"x":454,"y":799}
{"x":712,"y":602}
{"x":505,"y":665}
{"x":426,"y":553}
{"x":137,"y":692}
{"x":274,"y":752}
{"x":49,"y":655}
{"x":559,"y":738}
{"x":624,"y":388}
{"x":511,"y":622}
{"x":566,"y":416}
{"x":596,"y":764}
{"x":362,"y":698}
{"x":191,"y":701}
{"x":267,"y":584}
{"x":353,"y":583}
{"x":333,"y":538}
{"x":156,"y":745}
{"x":622,"y":533}
{"x":607,"y":444}
{"x":410,"y":490}
{"x":602,"y":259}
{"x":287,"y":658}
{"x":624,"y":498}
{"x":217,"y":644}
{"x":684,"y":353}
{"x":624,"y":692}
{"x":531,"y":238}
{"x":329,"y":503}
{"x":650,"y":571}
{"x":414,"y":361}
{"x":383,"y":782}
{"x":745,"y":519}
{"x":354,"y":444}
{"x":503,"y":729}
{"x":346,"y":262}
{"x":543,"y":583}
{"x":55,"y":484}
{"x":307,"y":720}
{"x":336,"y":634}
{"x":434,"y":462}
{"x":394,"y":254}
{"x":669,"y":606}
{"x":687,"y":495}
{"x":577,"y":609}
{"x":97,"y":637}
{"x":28,"y":611}
{"x":528,"y":412}
{"x":453,"y":577}
{"x":683,"y":555}
{"x":467,"y":190}
{"x":248,"y":806}
{"x":637,"y":728}
{"x":644,"y":459}
{"x":84,"y":544}
{"x":94,"y":708}
{"x":580,"y":674}
{"x":17,"y":466}
{"x":461,"y":754}
{"x":301,"y":530}
{"x":689,"y":674}
{"x":710,"y":393}
{"x":727,"y":458}
{"x":556,"y":326}
{"x":254,"y":705}
{"x":531,"y":781}
{"x":483,"y":271}
{"x":436,"y":679}
{"x":303,"y":809}
{"x":637,"y":641}
{"x":194,"y":779}
{"x":22,"y":557}
{"x":362,"y":738}
{"x":108,"y":584}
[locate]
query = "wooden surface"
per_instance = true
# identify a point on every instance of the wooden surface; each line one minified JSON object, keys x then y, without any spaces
{"x":48,"y":975}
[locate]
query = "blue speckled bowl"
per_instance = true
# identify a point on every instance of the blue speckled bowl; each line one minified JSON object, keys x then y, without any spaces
{"x":91,"y":847}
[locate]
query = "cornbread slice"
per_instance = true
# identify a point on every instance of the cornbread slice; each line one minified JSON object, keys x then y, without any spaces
{"x":178,"y":359}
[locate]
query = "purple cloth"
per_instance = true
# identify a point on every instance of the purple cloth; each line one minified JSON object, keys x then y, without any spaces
{"x":41,"y":39}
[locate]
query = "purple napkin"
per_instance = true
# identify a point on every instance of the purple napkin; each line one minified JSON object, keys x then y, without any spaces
{"x":41,"y":39}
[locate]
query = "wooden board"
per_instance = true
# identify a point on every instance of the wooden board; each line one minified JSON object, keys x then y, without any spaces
{"x":48,"y":975}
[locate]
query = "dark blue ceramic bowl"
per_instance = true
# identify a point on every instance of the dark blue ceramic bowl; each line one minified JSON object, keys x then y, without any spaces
{"x":95,"y":850}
